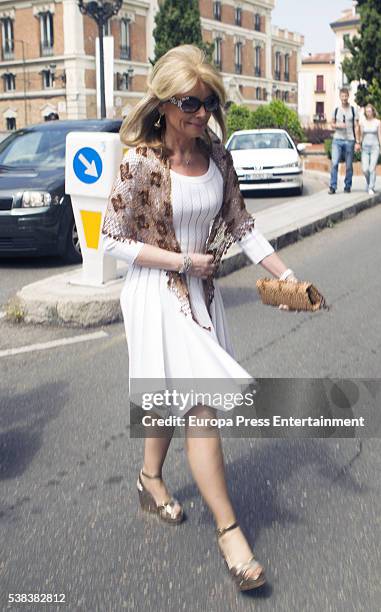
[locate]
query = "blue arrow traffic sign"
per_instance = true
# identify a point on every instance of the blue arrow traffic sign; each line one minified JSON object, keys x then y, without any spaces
{"x":87,"y":165}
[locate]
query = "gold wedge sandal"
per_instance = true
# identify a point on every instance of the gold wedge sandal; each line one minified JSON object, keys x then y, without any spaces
{"x":165,"y":510}
{"x":238,"y":572}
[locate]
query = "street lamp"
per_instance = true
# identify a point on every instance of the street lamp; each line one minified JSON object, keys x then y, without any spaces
{"x":101,"y":12}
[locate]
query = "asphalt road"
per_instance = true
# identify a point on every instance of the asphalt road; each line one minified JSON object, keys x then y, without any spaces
{"x":260,"y":199}
{"x":69,"y":516}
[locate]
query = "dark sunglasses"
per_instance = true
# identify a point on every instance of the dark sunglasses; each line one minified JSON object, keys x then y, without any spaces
{"x":191,"y":104}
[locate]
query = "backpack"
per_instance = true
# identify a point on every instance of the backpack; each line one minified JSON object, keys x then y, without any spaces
{"x":353,"y":119}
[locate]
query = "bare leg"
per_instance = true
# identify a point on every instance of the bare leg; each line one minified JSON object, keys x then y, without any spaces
{"x":155,"y":450}
{"x":204,"y":452}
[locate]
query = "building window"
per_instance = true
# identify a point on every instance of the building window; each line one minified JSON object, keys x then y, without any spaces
{"x":218,"y":52}
{"x":238,"y":57}
{"x":257,"y":22}
{"x":124,"y":80}
{"x":46,"y":33}
{"x":217,"y":10}
{"x":319,"y":83}
{"x":346,"y":39}
{"x":7,"y":38}
{"x":238,"y":16}
{"x":47,"y":79}
{"x":9,"y":81}
{"x":320,"y":108}
{"x":11,"y":123}
{"x":277,"y":66}
{"x":257,"y":62}
{"x":287,"y":67}
{"x":286,"y":96}
{"x":125,"y":39}
{"x":319,"y":112}
{"x":258,"y":93}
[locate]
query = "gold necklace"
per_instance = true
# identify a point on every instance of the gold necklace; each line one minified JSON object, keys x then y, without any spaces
{"x":188,"y":160}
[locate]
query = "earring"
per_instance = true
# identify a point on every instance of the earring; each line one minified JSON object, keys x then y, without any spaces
{"x":158,"y":123}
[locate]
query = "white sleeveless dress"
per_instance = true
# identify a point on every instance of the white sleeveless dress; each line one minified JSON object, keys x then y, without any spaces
{"x":163,"y":343}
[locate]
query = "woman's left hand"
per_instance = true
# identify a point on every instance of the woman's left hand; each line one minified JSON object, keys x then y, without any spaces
{"x":293,"y":279}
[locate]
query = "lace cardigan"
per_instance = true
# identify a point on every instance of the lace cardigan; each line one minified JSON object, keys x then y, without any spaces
{"x":139,"y":209}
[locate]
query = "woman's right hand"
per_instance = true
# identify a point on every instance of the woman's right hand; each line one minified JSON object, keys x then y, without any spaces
{"x":202,"y":265}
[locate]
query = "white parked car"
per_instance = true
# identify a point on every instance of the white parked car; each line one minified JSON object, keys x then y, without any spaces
{"x":266,"y":159}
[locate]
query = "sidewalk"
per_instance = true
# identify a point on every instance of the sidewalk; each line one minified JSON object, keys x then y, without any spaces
{"x":55,"y":301}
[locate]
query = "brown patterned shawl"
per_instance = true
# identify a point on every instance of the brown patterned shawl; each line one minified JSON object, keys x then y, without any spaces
{"x":139,"y":208}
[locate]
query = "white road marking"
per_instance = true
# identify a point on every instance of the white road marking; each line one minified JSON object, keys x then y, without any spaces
{"x":53,"y":343}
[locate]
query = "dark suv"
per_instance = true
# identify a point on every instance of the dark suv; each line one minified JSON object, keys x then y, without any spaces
{"x":36,"y":217}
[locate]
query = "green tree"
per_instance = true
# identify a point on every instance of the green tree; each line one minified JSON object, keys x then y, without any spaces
{"x":177,"y":23}
{"x":278,"y":115}
{"x":238,"y":117}
{"x":364,"y":64}
{"x":375,"y":94}
{"x":274,"y":115}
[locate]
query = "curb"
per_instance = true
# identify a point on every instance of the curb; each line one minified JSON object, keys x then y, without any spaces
{"x":56,"y":302}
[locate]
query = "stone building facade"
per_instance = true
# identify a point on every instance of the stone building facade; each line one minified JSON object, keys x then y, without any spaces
{"x":258,"y":62}
{"x":48,"y":63}
{"x":317,"y":89}
{"x":345,"y":27}
{"x":321,"y":76}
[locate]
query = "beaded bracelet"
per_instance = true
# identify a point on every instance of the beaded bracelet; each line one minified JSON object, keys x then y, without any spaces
{"x":186,"y":265}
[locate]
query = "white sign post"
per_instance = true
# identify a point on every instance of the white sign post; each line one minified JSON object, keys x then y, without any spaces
{"x":92,"y":160}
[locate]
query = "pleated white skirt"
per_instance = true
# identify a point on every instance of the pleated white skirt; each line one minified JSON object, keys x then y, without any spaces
{"x":164,"y":344}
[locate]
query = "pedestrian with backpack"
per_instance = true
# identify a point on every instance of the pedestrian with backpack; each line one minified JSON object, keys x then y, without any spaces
{"x":346,"y":140}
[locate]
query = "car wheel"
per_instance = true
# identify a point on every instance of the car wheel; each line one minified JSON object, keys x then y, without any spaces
{"x":73,"y":248}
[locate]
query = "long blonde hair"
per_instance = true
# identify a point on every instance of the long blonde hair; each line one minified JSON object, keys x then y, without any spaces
{"x":375,"y":115}
{"x":178,"y":71}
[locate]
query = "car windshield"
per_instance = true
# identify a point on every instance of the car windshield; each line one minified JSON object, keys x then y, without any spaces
{"x":33,"y":149}
{"x":260,"y":140}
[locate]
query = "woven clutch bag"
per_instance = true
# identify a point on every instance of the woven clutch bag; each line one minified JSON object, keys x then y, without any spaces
{"x":296,"y":295}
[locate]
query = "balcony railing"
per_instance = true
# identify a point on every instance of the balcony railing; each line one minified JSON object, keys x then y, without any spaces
{"x":125,"y":52}
{"x":320,"y":118}
{"x":46,"y":49}
{"x":238,"y":68}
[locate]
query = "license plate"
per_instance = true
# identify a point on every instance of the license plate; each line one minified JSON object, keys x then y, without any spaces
{"x":256,"y":176}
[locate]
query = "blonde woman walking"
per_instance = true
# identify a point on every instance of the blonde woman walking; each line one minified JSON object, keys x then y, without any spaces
{"x":370,"y":131}
{"x":174,"y":209}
